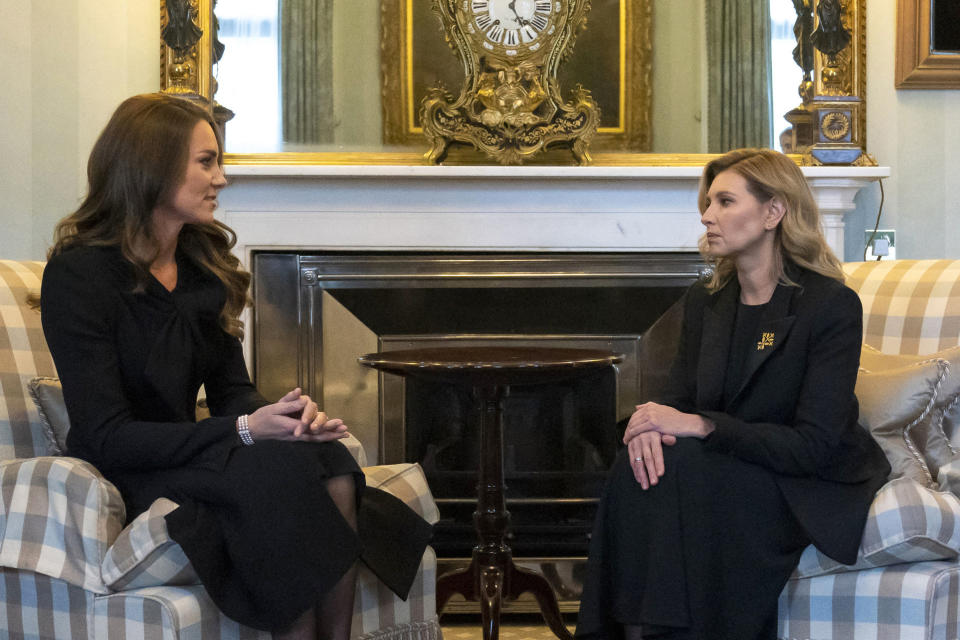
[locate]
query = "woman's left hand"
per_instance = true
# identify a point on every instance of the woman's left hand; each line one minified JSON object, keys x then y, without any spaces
{"x":666,"y":420}
{"x":314,"y":424}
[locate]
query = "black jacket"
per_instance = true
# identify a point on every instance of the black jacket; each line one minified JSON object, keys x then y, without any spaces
{"x":796,"y":412}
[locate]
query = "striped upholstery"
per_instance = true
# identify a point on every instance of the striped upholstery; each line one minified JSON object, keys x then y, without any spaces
{"x":68,"y":568}
{"x":909,"y":307}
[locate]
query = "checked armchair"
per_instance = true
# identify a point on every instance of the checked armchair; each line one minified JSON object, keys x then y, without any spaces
{"x":70,"y":569}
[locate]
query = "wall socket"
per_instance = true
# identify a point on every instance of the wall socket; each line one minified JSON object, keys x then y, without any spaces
{"x":883,"y":244}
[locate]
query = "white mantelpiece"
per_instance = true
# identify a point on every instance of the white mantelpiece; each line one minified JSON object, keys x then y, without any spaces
{"x":489,"y":208}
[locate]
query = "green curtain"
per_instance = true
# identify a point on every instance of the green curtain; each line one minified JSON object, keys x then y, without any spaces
{"x":739,"y":74}
{"x":306,"y":77}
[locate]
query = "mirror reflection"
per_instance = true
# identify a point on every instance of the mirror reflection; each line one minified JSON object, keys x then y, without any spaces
{"x":336,"y":100}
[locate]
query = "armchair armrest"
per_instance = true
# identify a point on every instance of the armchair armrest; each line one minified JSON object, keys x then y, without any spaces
{"x":143,"y":555}
{"x":355,"y":447}
{"x":907,"y":522}
{"x":58,"y":517}
{"x":407,"y":482}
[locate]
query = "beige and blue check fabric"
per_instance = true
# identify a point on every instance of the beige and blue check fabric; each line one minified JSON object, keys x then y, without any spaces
{"x":909,"y":306}
{"x":898,"y":589}
{"x":59,"y":517}
{"x":23,"y":356}
{"x":68,"y":567}
{"x":910,"y":601}
{"x":143,"y":555}
{"x":907,"y":522}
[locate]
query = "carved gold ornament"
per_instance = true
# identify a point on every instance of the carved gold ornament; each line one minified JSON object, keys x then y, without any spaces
{"x":835,"y":125}
{"x":510,"y":106}
{"x":189,"y":46}
{"x":836,"y":103}
{"x":182,"y":28}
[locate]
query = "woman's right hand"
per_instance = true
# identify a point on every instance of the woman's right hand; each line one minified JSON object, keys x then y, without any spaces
{"x":646,"y":456}
{"x":284,"y":420}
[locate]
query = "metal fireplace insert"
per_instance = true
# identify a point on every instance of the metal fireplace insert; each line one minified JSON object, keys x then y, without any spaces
{"x":314,"y":314}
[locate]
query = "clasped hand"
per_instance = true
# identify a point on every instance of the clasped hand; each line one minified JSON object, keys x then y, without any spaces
{"x":653,"y":426}
{"x":295,"y":417}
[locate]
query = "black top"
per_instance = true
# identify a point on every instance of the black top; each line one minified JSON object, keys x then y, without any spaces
{"x":746,"y":337}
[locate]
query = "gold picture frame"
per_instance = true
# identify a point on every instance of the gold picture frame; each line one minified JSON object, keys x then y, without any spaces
{"x":918,"y":64}
{"x":415,"y":57}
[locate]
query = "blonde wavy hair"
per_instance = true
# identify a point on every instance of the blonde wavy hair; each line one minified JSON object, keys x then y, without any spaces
{"x":138,"y":162}
{"x":799,"y":238}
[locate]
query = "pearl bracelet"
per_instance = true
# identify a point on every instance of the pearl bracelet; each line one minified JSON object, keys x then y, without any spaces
{"x":243,"y":429}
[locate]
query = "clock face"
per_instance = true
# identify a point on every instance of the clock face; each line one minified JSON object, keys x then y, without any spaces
{"x":512,"y":27}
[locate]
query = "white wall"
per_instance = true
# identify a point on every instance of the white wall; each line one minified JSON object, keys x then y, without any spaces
{"x":67,"y":64}
{"x":917,"y":134}
{"x":65,"y":67}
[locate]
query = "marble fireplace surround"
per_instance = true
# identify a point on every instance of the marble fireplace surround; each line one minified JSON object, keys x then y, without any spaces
{"x":488,"y":208}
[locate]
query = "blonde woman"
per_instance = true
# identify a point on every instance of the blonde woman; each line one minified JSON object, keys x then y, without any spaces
{"x":754,"y":450}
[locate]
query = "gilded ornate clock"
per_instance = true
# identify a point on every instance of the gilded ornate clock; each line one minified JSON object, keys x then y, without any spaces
{"x":510,"y":106}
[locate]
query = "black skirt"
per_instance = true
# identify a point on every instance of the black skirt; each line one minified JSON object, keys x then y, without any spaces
{"x":265,"y":537}
{"x":702,"y":555}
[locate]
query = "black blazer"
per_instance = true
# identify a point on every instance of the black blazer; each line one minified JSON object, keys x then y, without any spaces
{"x":132,"y":363}
{"x":796,"y":412}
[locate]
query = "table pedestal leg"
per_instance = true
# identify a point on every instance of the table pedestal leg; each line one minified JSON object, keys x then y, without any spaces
{"x":492,"y":574}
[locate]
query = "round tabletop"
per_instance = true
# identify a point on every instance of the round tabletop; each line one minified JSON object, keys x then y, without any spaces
{"x":491,"y":363}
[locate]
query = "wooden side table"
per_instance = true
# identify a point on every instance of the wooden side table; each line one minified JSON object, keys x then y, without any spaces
{"x":489,"y":372}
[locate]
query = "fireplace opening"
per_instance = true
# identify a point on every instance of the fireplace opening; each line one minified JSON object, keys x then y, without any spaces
{"x":316,"y":313}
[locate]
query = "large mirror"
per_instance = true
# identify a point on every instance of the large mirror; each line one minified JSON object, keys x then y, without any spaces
{"x":334,"y":79}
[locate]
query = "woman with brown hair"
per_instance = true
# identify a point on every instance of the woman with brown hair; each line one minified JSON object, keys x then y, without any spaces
{"x":140,"y":302}
{"x":753,"y":451}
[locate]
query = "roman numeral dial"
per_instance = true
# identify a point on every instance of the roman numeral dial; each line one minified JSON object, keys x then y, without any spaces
{"x":512,"y":27}
{"x":510,"y":105}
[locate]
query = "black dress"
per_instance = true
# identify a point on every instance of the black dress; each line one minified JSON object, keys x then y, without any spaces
{"x":705,"y":553}
{"x":256,"y":522}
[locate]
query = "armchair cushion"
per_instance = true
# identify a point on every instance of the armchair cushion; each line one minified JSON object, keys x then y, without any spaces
{"x":893,"y":403}
{"x":907,"y":522}
{"x":934,"y":433}
{"x":47,"y":394}
{"x":58,"y":517}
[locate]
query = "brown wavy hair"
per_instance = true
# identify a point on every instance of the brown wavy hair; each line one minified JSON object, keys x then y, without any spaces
{"x":799,"y":238}
{"x":137,"y":163}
